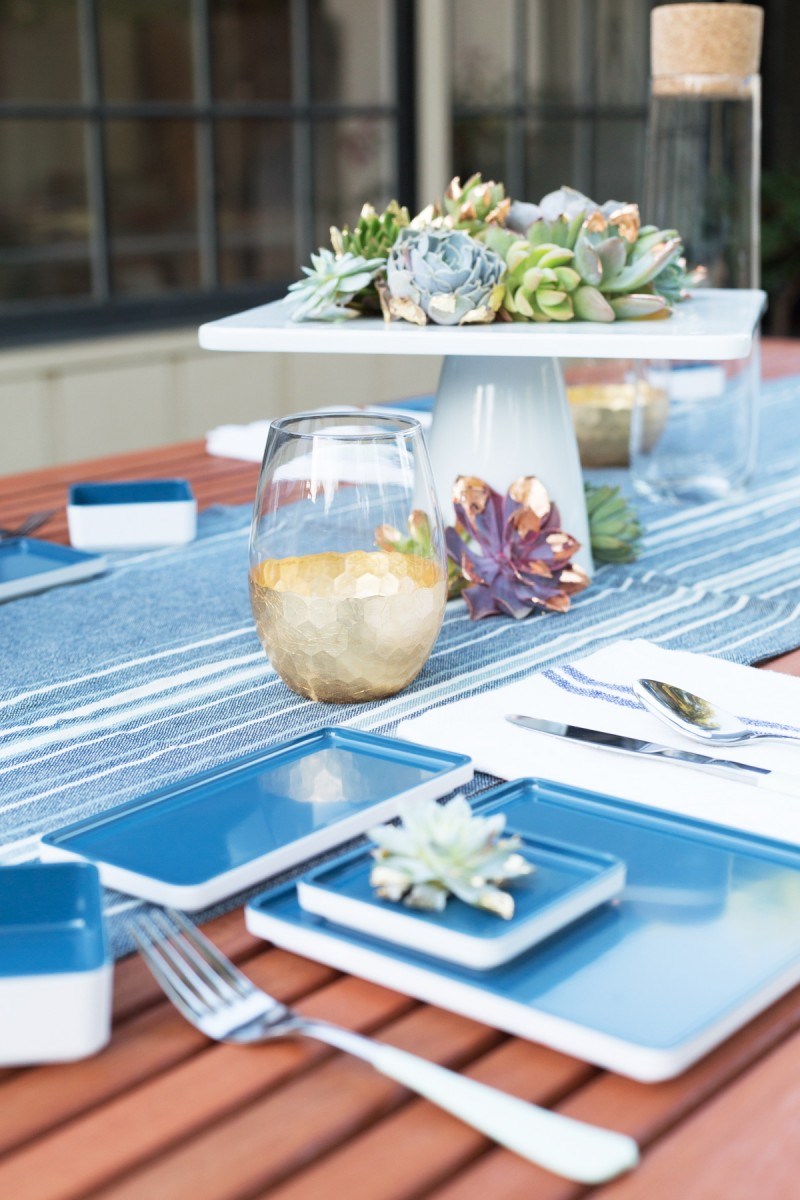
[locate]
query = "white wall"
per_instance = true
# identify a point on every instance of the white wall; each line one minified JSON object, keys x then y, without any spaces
{"x":62,"y":403}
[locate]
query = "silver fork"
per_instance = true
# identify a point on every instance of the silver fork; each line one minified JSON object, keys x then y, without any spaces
{"x":31,"y":523}
{"x":225,"y":1005}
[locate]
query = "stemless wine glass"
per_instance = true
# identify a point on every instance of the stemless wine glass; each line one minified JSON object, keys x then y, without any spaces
{"x":348,"y":571}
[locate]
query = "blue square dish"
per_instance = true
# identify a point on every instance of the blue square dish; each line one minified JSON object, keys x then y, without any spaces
{"x":210,"y":836}
{"x":568,"y":881}
{"x":703,"y":937}
{"x":134,"y":514}
{"x":28,"y":565}
{"x":55,"y":972}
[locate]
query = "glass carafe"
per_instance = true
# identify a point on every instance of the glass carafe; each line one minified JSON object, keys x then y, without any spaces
{"x":702,"y":171}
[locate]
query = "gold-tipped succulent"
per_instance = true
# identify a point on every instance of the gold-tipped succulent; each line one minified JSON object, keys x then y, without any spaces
{"x":443,"y":850}
{"x":374,"y":233}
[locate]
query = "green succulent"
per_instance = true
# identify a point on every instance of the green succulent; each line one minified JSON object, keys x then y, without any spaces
{"x":438,"y":851}
{"x":331,"y":283}
{"x":476,"y":205}
{"x":539,"y":279}
{"x":594,"y":264}
{"x":418,"y":540}
{"x":374,"y":233}
{"x":613,"y":525}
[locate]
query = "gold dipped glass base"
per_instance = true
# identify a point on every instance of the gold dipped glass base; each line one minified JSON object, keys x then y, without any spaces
{"x":348,"y":627}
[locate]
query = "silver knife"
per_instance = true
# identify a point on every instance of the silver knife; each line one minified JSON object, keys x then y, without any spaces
{"x":777,"y":781}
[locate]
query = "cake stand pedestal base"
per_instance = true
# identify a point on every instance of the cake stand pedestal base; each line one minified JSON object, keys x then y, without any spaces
{"x":499,"y":418}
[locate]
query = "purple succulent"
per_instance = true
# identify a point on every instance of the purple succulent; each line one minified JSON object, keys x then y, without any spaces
{"x":516,"y":558}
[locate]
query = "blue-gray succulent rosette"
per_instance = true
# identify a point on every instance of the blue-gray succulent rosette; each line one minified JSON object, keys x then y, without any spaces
{"x":444,"y":276}
{"x":475,"y":256}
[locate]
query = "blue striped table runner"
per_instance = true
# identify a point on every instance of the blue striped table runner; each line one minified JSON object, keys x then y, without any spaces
{"x":153,"y":672}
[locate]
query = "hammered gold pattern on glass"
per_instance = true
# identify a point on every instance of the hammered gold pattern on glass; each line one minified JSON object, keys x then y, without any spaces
{"x":348,"y":627}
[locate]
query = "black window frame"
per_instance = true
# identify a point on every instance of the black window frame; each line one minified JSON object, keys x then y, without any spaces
{"x":586,"y":110}
{"x":103,"y":312}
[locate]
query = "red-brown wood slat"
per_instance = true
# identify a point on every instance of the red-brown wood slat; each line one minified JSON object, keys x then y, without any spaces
{"x":645,"y":1111}
{"x":435,"y":1145}
{"x":149,"y":1044}
{"x":742,"y":1145}
{"x":194,"y":1095}
{"x":266,"y":1141}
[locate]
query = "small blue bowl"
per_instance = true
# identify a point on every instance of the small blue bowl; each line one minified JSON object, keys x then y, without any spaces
{"x":55,"y":970}
{"x":138,"y":514}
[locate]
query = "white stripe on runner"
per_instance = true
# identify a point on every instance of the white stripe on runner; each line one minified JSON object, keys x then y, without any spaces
{"x":73,"y":732}
{"x":793,"y":615}
{"x":184,"y":648}
{"x":751,"y":571}
{"x":731,"y":516}
{"x":163,"y":683}
{"x":737,"y":606}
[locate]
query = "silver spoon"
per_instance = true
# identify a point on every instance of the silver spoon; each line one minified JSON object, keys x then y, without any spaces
{"x":699,"y":718}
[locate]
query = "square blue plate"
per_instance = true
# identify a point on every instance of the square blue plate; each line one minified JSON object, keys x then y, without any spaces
{"x":568,"y":882}
{"x":29,"y":565}
{"x":704,"y":936}
{"x":202,"y":840}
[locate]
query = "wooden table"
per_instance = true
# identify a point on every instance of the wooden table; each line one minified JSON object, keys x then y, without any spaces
{"x":164,"y":1114}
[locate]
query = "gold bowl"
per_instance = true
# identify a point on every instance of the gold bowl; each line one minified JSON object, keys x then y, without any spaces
{"x":601,"y":412}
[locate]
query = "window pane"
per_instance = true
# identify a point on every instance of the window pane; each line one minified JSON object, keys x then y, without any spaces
{"x":44,"y":216}
{"x":619,"y":160}
{"x":351,"y":51}
{"x":252,"y":57}
{"x":479,"y":144}
{"x":559,"y":54}
{"x":39,"y":57}
{"x":557,"y":152}
{"x":483,"y":41}
{"x":255,"y":204}
{"x":152,"y":198}
{"x":622,"y":54}
{"x":353,"y":164}
{"x":146,"y":49}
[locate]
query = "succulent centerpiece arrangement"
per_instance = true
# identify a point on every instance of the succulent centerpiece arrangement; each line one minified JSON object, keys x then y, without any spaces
{"x":476,"y":256}
{"x":443,"y":850}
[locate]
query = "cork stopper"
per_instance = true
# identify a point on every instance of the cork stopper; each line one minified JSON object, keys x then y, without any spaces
{"x":701,"y":41}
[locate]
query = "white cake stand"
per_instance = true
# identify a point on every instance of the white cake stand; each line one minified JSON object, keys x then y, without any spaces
{"x":501,"y":406}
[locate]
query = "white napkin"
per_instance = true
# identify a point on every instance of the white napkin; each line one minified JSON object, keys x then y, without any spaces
{"x":247,"y":442}
{"x":595,"y":692}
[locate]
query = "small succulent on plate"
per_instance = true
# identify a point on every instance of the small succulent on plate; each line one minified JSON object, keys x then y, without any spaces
{"x":613,"y":524}
{"x":331,"y":283}
{"x":511,"y":550}
{"x":439,"y":850}
{"x":444,"y":276}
